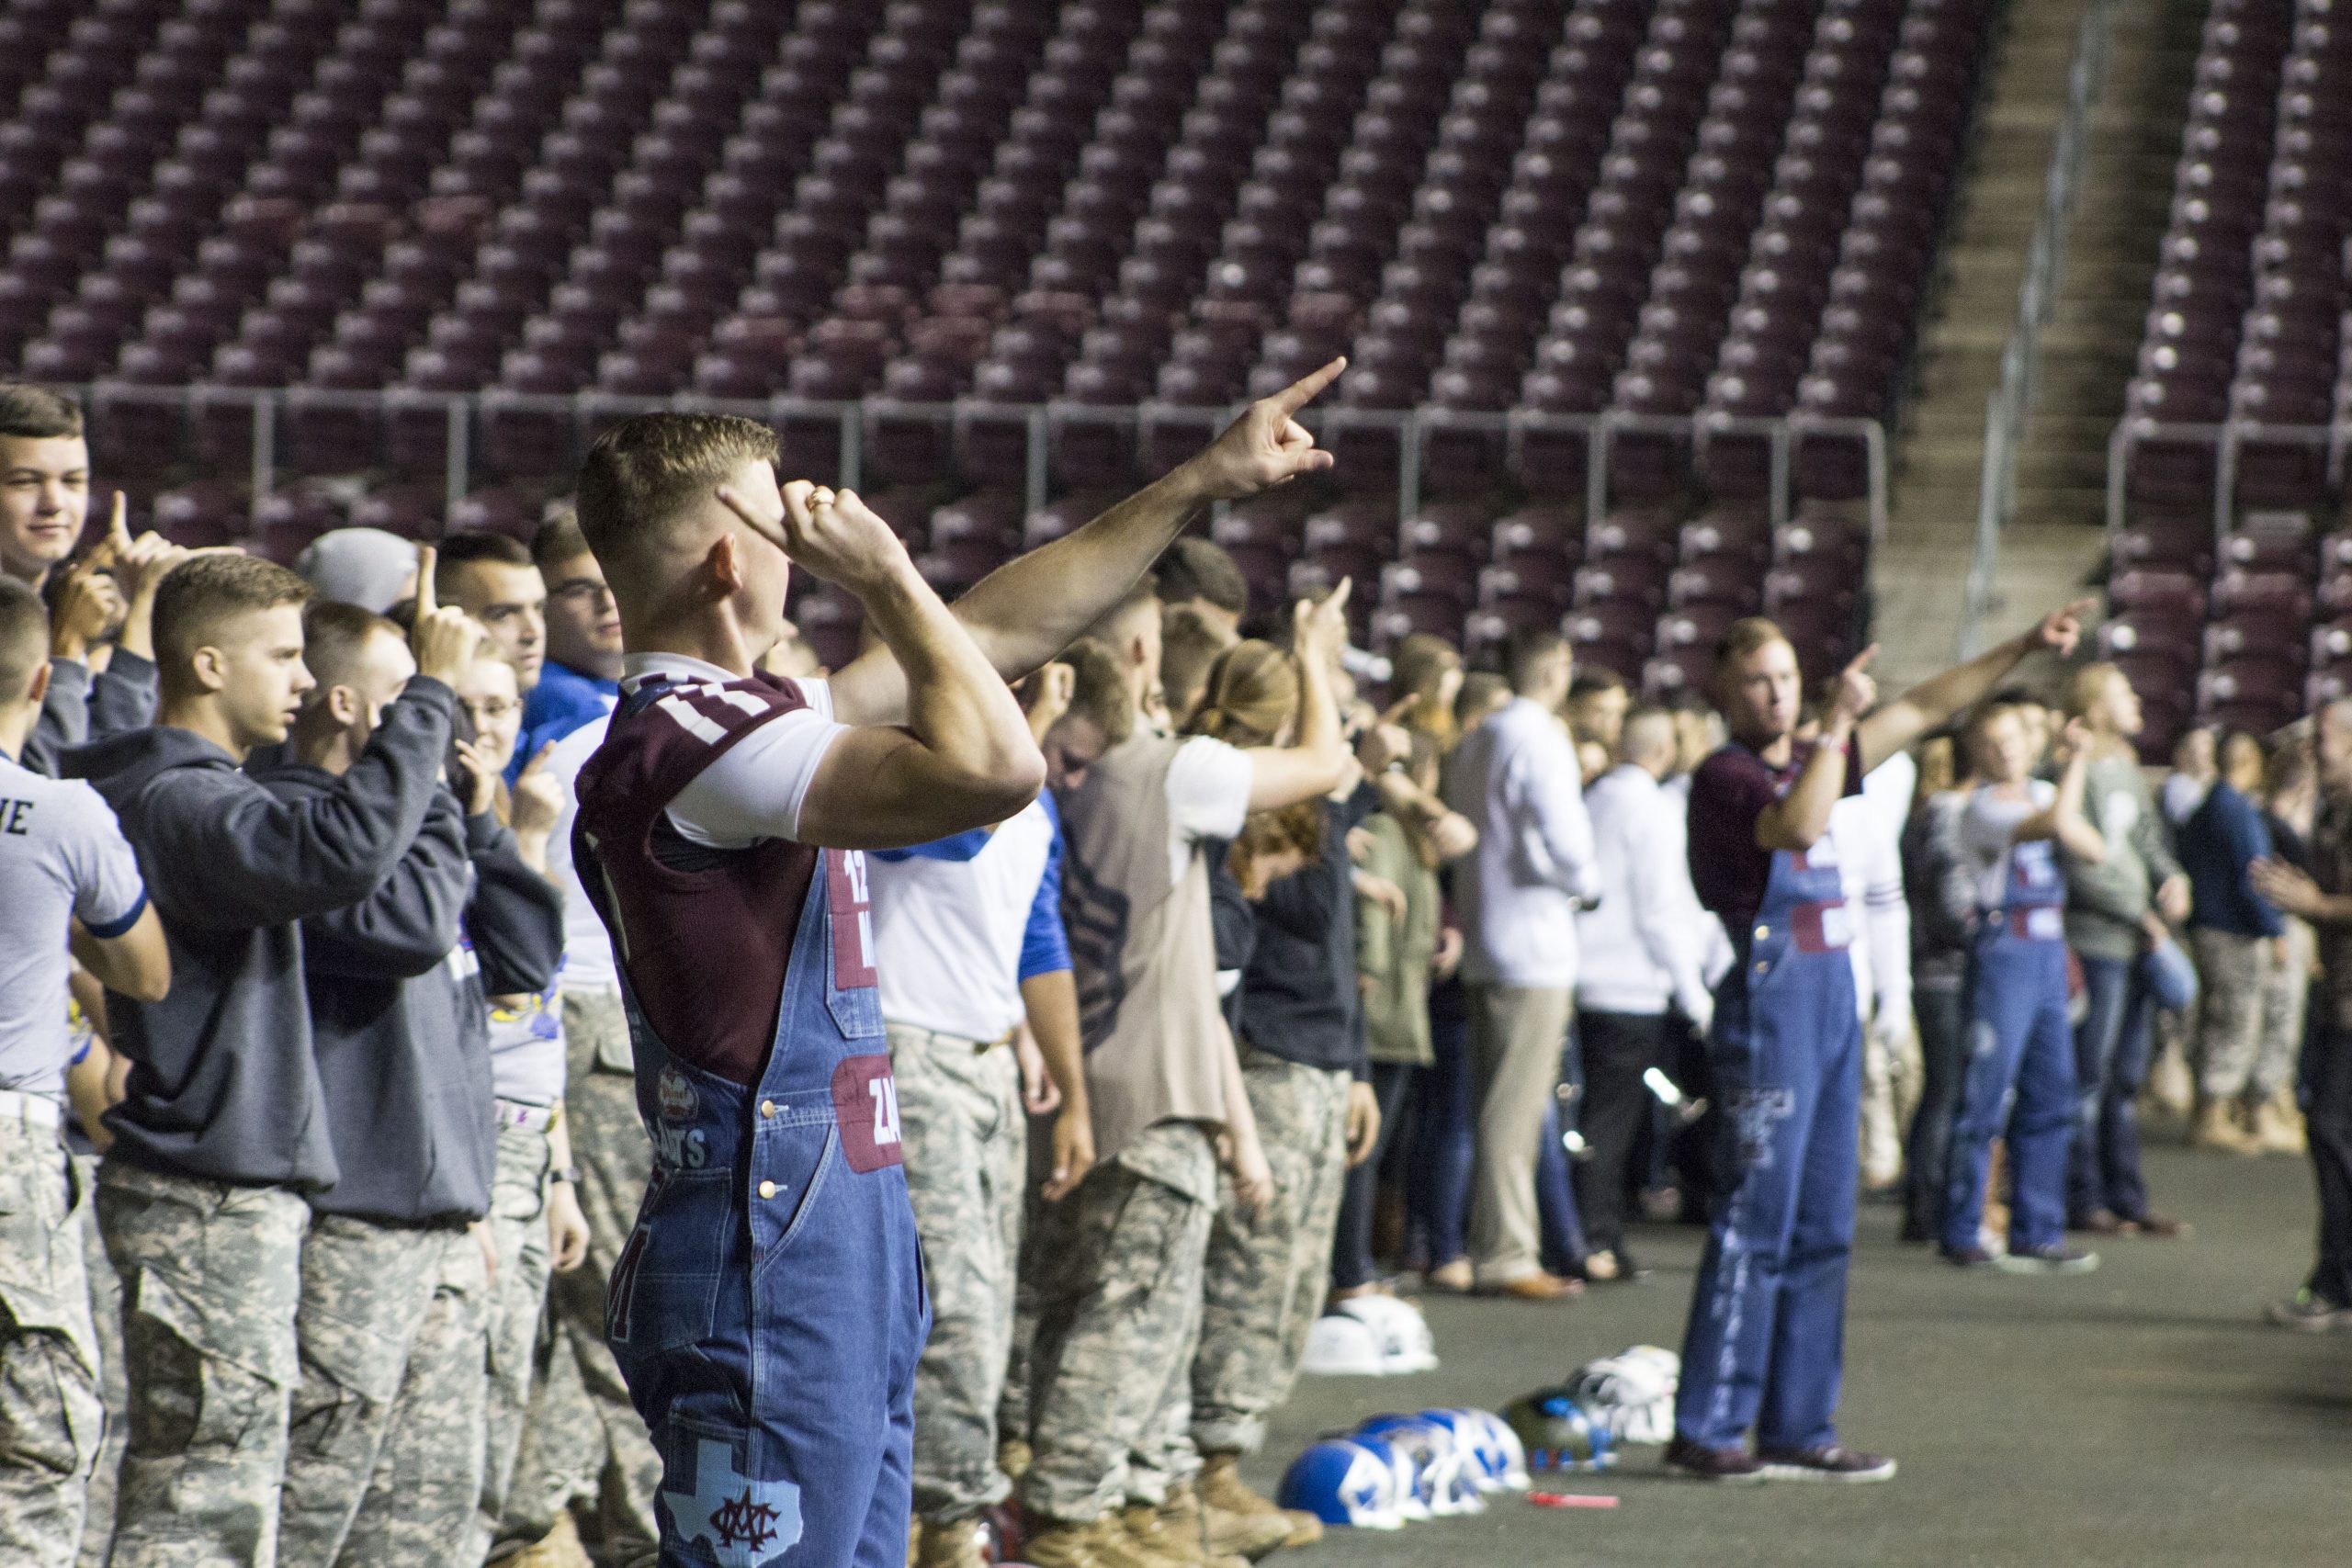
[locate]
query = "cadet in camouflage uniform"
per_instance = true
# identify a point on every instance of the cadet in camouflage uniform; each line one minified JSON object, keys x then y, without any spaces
{"x":223,"y":1126}
{"x":1111,"y":1477}
{"x":390,"y":1330}
{"x":968,"y":939}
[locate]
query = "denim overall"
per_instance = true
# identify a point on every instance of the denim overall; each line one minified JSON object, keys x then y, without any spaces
{"x":1764,"y":1346}
{"x":769,"y":1307}
{"x":2020,"y":1078}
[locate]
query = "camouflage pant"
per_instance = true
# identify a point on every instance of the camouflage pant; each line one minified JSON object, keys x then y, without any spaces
{"x":106,"y":1314}
{"x":2234,"y":976}
{"x":583,"y":1441}
{"x":52,"y":1423}
{"x":211,"y":1275}
{"x":1268,"y":1269}
{"x":518,"y":1223}
{"x":1119,"y":1316}
{"x":366,"y":1287}
{"x":967,"y":1152}
{"x":427,"y":1488}
{"x":1013,"y":1407}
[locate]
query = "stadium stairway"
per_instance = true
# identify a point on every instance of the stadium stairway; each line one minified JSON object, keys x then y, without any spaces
{"x":2053,"y":544}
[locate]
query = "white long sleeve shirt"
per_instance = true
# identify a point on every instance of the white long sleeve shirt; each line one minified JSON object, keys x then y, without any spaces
{"x":1645,"y":943}
{"x":1516,"y":777}
{"x":1867,"y":829}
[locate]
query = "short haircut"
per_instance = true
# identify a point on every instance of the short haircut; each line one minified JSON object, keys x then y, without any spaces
{"x":1113,"y":625}
{"x":1591,"y":680}
{"x":24,"y":639}
{"x":35,"y":413}
{"x":1482,"y":690}
{"x":644,"y":470}
{"x":1745,"y":635}
{"x":335,"y":636}
{"x":1099,"y":692}
{"x":1200,"y":568}
{"x":469,"y":544}
{"x":1189,"y":643}
{"x":559,"y":539}
{"x":205,"y":591}
{"x":1529,"y":649}
{"x":1648,"y":727}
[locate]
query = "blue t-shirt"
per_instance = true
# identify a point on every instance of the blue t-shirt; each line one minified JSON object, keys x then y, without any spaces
{"x":562,"y":701}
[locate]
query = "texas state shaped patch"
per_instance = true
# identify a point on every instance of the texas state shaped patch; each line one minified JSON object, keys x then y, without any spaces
{"x":747,"y":1522}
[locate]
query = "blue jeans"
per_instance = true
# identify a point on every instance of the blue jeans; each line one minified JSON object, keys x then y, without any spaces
{"x":2111,"y":1064}
{"x":2019,"y":1084}
{"x":1437,"y":1191}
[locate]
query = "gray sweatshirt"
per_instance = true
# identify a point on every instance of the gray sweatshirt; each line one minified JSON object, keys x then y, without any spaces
{"x":81,"y":707}
{"x":2104,"y":903}
{"x":399,"y":1024}
{"x":224,"y":1085}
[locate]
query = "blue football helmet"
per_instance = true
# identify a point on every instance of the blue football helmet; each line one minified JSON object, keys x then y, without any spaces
{"x":1343,"y":1482}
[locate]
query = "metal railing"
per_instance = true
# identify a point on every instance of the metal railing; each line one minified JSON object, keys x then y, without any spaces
{"x":2008,"y":406}
{"x":461,"y":417}
{"x":2228,"y":439}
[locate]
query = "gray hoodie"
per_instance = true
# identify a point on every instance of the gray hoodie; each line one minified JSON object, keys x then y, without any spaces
{"x":401,"y":1026}
{"x":2106,"y":903}
{"x":82,"y":708}
{"x":224,"y":1086}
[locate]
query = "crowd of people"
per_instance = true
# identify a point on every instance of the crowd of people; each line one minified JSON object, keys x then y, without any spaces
{"x":507,"y":1061}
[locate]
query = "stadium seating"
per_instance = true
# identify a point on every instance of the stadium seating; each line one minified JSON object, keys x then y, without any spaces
{"x":2246,"y":328}
{"x":1686,"y":214}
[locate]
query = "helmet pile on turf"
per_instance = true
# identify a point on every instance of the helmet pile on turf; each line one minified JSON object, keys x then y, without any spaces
{"x":1396,"y":1469}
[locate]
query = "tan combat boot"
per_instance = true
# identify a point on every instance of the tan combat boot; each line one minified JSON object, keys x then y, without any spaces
{"x":1240,"y":1522}
{"x":1060,"y":1543}
{"x":1183,"y":1531}
{"x":1014,"y":1457}
{"x":560,"y":1548}
{"x":2277,"y":1129}
{"x":955,"y":1545}
{"x":2217,"y":1130}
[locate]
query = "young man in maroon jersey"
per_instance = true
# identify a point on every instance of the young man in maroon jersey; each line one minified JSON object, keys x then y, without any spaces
{"x":768,"y":1310}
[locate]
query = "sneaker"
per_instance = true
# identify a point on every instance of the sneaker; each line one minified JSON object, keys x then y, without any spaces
{"x":1970,"y":1257}
{"x":2309,"y":1311}
{"x":1827,"y":1462}
{"x":1735,"y":1467}
{"x":2057,"y":1259}
{"x":1238,"y":1521}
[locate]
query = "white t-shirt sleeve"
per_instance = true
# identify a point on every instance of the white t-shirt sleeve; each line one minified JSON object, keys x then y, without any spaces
{"x":108,"y":892}
{"x":755,"y":789}
{"x":1208,"y":790}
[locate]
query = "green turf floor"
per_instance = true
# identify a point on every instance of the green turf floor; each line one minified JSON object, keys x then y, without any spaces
{"x":2139,"y":1416}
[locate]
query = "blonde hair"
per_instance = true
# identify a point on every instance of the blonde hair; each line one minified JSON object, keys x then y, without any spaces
{"x":1252,"y":696}
{"x":2088,"y":685}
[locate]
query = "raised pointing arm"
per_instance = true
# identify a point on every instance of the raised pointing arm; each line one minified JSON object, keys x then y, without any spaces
{"x":1030,"y":608}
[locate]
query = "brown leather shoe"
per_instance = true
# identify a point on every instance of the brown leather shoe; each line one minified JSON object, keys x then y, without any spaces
{"x":2158,"y":1227}
{"x":2103,"y":1222}
{"x":1536,"y":1287}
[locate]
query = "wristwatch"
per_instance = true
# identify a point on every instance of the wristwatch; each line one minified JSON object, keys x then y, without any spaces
{"x":567,"y":1174}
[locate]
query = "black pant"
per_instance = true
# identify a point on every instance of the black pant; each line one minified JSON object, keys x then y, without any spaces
{"x":1618,"y":1047}
{"x":1351,"y":1264}
{"x":2328,"y":1128}
{"x":1943,"y":1047}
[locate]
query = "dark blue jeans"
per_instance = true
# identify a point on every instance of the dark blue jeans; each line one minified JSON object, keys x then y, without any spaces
{"x":2111,"y":1064}
{"x":1437,"y":1188}
{"x":1943,"y":1032}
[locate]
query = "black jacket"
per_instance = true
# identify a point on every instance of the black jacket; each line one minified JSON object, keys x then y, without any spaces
{"x":224,"y":1084}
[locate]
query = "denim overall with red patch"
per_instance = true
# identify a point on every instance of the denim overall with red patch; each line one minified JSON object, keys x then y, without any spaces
{"x":1765,"y":1344}
{"x":769,"y":1307}
{"x":2019,"y":1084}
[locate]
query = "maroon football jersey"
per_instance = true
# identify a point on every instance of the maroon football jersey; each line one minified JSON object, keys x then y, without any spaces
{"x":703,"y":935}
